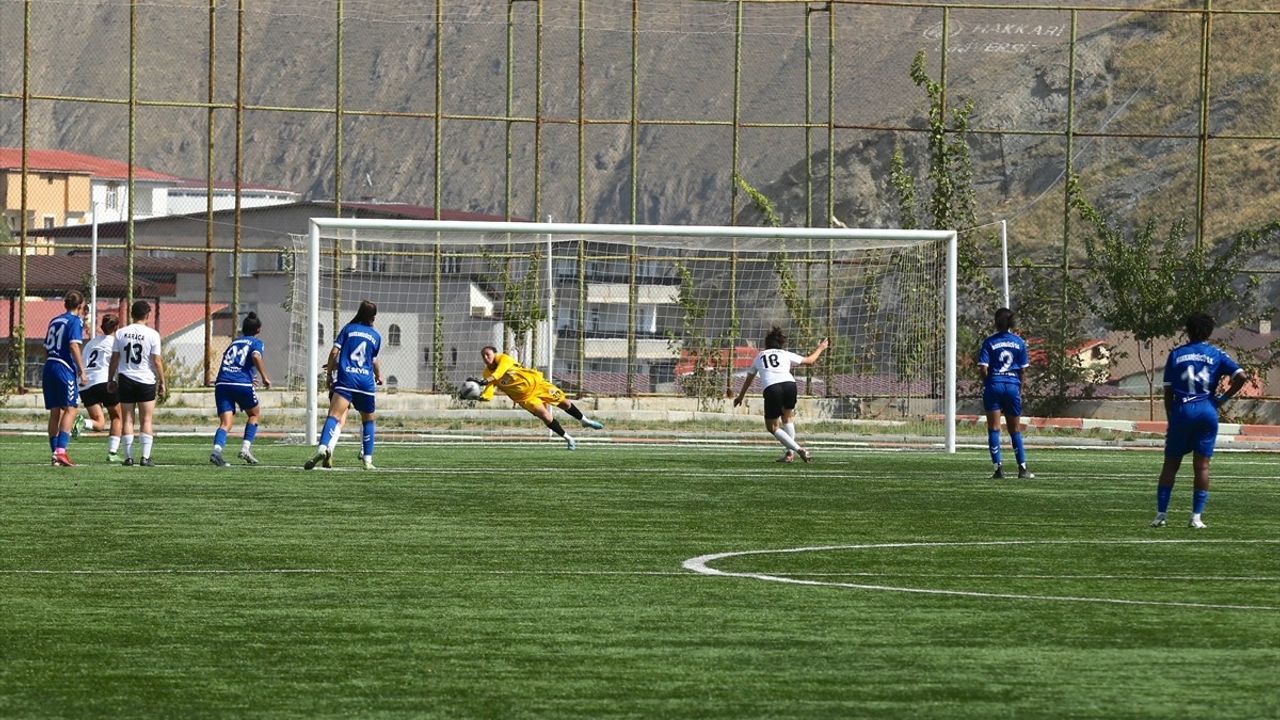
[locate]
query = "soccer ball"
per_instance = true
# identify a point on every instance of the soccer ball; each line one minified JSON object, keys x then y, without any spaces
{"x":470,"y":390}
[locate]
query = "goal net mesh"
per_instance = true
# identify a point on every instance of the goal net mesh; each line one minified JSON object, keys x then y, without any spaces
{"x":605,"y":314}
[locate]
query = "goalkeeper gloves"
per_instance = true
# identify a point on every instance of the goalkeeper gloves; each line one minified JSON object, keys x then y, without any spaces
{"x":478,"y":381}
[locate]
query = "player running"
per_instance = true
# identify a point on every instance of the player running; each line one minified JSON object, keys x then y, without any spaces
{"x":95,"y":395}
{"x":774,"y":364}
{"x":1002,"y":360}
{"x":1191,"y":403}
{"x":137,"y":373}
{"x":530,"y":390}
{"x":234,"y":386}
{"x":353,"y":365}
{"x":63,"y":369}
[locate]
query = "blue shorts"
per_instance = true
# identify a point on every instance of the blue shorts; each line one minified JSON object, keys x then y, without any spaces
{"x":1003,"y":397}
{"x":1193,"y":427}
{"x":60,"y":386}
{"x":227,"y":397}
{"x":361,"y":401}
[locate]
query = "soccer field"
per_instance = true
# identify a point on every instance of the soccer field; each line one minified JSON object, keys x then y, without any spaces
{"x":509,"y":580}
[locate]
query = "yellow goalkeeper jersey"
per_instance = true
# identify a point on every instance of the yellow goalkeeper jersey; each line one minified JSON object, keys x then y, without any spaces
{"x":521,"y":384}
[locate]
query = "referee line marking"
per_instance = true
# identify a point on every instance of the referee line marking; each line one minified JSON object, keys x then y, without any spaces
{"x":702,"y":566}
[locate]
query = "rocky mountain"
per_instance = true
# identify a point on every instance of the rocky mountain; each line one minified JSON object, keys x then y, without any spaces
{"x":1136,"y":80}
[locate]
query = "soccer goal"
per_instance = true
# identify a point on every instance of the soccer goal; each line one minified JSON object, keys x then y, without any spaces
{"x":640,"y":310}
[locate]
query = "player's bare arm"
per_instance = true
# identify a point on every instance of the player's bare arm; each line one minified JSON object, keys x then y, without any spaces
{"x":813,"y":356}
{"x":79,"y":358}
{"x":262,"y":369}
{"x":158,"y":363}
{"x":111,"y":370}
{"x":746,"y":383}
{"x":331,"y":367}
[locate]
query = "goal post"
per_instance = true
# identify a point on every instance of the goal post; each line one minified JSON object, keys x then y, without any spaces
{"x":639,"y":309}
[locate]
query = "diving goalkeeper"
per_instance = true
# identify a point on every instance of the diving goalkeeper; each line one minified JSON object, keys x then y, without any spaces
{"x":530,"y":390}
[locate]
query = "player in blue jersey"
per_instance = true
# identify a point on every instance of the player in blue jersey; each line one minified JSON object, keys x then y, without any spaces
{"x":1002,"y":360}
{"x":234,"y":387}
{"x":1191,"y":402}
{"x":63,"y":374}
{"x":353,"y":365}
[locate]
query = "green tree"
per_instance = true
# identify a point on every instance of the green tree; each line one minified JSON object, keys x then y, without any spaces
{"x":1146,"y":287}
{"x":1052,"y":307}
{"x":705,"y":380}
{"x":948,"y":203}
{"x":522,"y":301}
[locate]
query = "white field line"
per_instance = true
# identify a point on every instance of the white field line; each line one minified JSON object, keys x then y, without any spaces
{"x":607,"y":573}
{"x":701,"y":565}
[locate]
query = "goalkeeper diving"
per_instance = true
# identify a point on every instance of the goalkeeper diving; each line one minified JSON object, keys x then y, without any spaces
{"x":530,"y":390}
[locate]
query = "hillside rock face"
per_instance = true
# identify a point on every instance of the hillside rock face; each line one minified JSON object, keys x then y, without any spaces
{"x":680,"y":167}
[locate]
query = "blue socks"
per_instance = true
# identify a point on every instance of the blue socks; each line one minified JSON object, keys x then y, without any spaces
{"x":1018,"y":452}
{"x":993,"y":444}
{"x":330,"y":425}
{"x":63,"y":439}
{"x":367,"y":439}
{"x":219,"y":440}
{"x":250,"y":432}
{"x":1198,"y":500}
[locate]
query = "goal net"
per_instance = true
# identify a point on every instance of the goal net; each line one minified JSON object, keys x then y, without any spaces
{"x":639,"y":310}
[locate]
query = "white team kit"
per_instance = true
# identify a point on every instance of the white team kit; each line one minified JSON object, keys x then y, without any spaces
{"x":774,"y":366}
{"x":136,"y":344}
{"x":97,"y":359}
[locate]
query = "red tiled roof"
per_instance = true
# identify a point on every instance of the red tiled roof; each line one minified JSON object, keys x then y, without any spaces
{"x":174,"y":316}
{"x":76,"y":163}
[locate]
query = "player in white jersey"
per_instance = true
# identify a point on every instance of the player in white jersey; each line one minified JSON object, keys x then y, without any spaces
{"x":137,"y":373}
{"x":95,"y":395}
{"x":773,"y":365}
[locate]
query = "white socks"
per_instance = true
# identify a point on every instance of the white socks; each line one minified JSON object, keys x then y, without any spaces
{"x":146,"y":445}
{"x":786,"y":440}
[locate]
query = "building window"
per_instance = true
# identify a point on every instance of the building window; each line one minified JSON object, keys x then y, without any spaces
{"x":426,"y":356}
{"x":49,"y":221}
{"x":320,"y":334}
{"x":113,"y":197}
{"x":450,"y":264}
{"x":393,"y":336}
{"x":453,"y":353}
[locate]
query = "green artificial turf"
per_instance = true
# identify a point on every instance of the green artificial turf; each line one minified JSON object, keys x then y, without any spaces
{"x":510,"y":580}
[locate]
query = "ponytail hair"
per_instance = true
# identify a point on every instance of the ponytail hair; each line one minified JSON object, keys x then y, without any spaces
{"x":366,"y":313}
{"x":251,"y":324}
{"x":73,"y":300}
{"x":775,"y":339}
{"x":109,"y":323}
{"x":1004,"y":319}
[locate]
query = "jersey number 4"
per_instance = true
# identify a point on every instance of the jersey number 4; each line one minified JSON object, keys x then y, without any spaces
{"x":360,"y":354}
